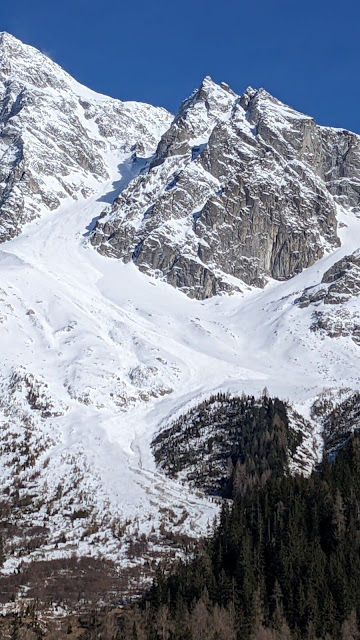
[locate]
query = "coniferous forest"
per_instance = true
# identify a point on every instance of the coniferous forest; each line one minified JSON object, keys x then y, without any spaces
{"x":283,"y":563}
{"x":227,"y":443}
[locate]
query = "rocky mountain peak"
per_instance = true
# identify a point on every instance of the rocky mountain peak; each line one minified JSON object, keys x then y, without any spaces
{"x":241,"y":189}
{"x":26,"y":65}
{"x":209,"y":89}
{"x":247,"y":96}
{"x":206,"y":88}
{"x":195,"y":120}
{"x":7,"y":40}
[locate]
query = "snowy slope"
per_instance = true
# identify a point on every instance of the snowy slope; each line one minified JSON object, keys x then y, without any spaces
{"x":115,"y":354}
{"x":97,"y":357}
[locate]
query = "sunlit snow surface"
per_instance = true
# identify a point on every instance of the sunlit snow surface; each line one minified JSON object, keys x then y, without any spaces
{"x":111,"y":355}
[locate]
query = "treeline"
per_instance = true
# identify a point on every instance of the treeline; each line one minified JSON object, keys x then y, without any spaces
{"x":283,"y":563}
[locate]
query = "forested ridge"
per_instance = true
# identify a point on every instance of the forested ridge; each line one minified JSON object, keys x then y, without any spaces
{"x":229,"y":442}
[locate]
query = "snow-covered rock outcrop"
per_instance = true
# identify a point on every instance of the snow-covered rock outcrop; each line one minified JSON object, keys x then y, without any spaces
{"x":335,"y":301}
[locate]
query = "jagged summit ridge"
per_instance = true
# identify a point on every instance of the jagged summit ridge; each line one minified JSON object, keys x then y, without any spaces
{"x":195,"y":120}
{"x":58,"y":139}
{"x":26,"y":64}
{"x":241,"y":188}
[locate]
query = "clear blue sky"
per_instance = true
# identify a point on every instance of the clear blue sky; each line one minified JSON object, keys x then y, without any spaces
{"x":306,"y":53}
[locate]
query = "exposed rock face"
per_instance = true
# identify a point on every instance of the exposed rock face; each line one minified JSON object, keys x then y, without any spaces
{"x":240,"y":187}
{"x":57,"y":137}
{"x":336,"y":300}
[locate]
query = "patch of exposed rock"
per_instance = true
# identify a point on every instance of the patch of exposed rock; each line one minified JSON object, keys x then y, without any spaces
{"x":340,"y":285}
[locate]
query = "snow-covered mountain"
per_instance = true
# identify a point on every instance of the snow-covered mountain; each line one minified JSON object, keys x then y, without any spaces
{"x":98,"y":355}
{"x":58,"y":138}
